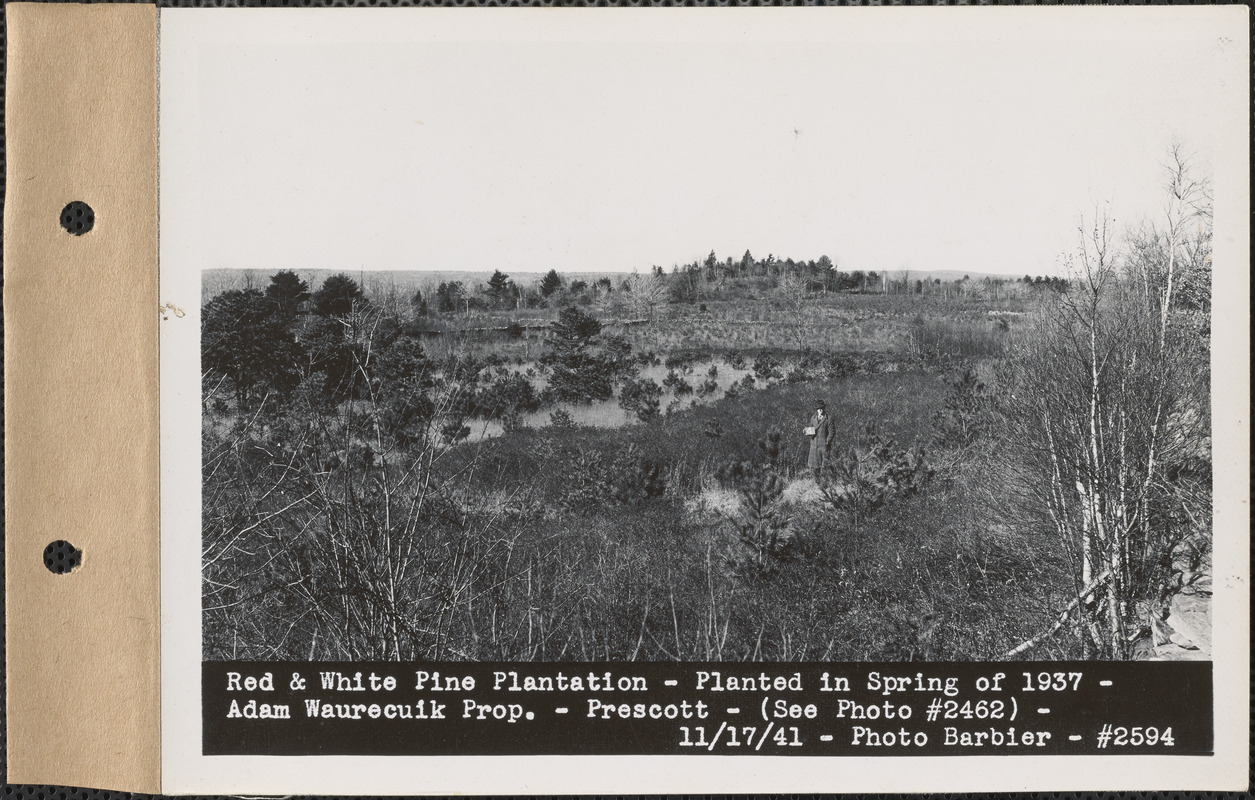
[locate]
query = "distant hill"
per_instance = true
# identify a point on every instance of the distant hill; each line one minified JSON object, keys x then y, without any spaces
{"x":945,"y":275}
{"x":377,"y":282}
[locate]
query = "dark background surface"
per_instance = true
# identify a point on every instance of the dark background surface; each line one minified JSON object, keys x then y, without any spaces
{"x":33,"y":792}
{"x":1163,"y":694}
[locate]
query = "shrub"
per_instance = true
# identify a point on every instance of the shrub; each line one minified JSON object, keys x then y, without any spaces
{"x":508,"y":398}
{"x":647,"y":358}
{"x":760,"y":522}
{"x":797,"y":375}
{"x":402,"y":381}
{"x":677,"y":384}
{"x":595,"y":481}
{"x":245,"y":339}
{"x":582,"y":367}
{"x":681,"y":361}
{"x":338,"y":358}
{"x":843,"y":365}
{"x":967,"y":414}
{"x":772,"y":449}
{"x":641,"y":397}
{"x":867,"y":477}
{"x":934,"y":341}
{"x":454,"y":429}
{"x":766,"y":368}
{"x":638,"y":479}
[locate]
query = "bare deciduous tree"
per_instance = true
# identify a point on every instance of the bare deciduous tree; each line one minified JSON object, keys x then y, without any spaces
{"x":1110,"y":407}
{"x":645,"y":294}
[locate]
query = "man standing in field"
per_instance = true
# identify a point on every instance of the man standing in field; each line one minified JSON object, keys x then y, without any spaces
{"x":821,"y":432}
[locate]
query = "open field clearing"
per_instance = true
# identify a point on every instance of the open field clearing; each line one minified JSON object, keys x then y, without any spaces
{"x":750,"y":461}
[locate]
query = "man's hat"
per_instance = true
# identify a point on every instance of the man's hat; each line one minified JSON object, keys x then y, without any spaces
{"x":821,"y":404}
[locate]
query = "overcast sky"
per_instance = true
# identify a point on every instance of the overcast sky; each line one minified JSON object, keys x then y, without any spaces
{"x":379,"y":139}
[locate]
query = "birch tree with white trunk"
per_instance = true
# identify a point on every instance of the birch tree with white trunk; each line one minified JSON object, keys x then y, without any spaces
{"x":1109,"y":410}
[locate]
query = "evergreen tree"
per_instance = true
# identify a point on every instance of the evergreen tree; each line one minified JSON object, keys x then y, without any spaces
{"x":500,"y":290}
{"x":419,"y":303}
{"x":287,"y":291}
{"x":642,"y":398}
{"x":402,"y":377}
{"x":711,"y":265}
{"x":245,"y":339}
{"x":337,"y":296}
{"x":449,"y":296}
{"x":827,"y":273}
{"x":583,"y":368}
{"x":747,"y":263}
{"x":551,"y":283}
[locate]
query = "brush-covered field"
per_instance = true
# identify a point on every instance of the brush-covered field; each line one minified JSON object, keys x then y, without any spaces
{"x":601,"y":477}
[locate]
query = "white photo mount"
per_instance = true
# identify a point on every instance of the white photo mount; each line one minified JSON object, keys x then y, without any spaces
{"x":235,"y":209}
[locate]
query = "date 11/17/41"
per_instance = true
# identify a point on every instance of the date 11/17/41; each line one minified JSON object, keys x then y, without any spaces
{"x":738,"y":735}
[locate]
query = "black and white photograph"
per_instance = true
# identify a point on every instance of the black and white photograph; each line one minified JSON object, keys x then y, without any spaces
{"x":832,"y":338}
{"x":841,"y":389}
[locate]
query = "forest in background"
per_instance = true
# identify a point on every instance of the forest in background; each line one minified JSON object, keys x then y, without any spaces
{"x":612,"y":467}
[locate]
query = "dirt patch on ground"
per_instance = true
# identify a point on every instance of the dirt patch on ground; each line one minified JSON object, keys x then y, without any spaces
{"x":714,"y":502}
{"x":802,"y":490}
{"x":718,"y":501}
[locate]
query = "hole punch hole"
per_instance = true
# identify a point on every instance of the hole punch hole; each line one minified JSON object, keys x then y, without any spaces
{"x":78,"y":218}
{"x":61,"y":557}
